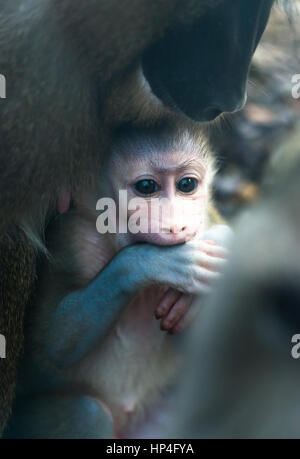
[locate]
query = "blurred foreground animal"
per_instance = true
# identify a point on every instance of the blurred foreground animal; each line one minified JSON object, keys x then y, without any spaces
{"x":245,"y":369}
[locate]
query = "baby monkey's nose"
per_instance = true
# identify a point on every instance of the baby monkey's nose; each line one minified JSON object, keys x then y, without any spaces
{"x":176,"y":229}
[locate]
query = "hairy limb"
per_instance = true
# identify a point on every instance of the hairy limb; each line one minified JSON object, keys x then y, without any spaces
{"x":83,"y":317}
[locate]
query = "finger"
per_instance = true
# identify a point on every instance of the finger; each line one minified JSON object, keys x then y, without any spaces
{"x":212,"y":263}
{"x":166,"y":303}
{"x":163,"y":290}
{"x":207,"y":277}
{"x":215,"y":250}
{"x":185,"y":321}
{"x":221,"y":234}
{"x":177,"y":312}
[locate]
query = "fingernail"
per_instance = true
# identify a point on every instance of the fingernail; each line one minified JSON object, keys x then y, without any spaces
{"x":211,"y":242}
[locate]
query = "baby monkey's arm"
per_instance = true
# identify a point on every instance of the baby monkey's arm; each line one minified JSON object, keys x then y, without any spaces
{"x":84,"y":316}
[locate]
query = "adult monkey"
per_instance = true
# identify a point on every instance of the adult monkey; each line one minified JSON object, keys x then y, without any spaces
{"x":104,"y":288}
{"x":75,"y":73}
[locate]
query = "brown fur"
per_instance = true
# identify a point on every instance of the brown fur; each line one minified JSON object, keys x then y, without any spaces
{"x":17,"y":260}
{"x":39,"y":158}
{"x":52,"y":135}
{"x":34,"y":138}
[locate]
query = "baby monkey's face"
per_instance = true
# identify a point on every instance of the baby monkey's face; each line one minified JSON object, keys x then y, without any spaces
{"x":167,"y":196}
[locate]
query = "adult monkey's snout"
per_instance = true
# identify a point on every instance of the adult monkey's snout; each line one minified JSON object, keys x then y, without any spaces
{"x":202,"y":70}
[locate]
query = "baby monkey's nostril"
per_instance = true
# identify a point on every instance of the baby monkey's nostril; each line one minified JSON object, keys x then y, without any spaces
{"x":177,"y":229}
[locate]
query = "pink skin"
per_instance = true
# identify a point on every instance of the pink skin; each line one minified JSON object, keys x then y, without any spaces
{"x":182,"y":216}
{"x":175,"y":309}
{"x":63,"y":201}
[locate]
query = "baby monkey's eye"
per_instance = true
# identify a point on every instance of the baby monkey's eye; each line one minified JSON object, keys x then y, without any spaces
{"x":187,"y":185}
{"x":146,"y":186}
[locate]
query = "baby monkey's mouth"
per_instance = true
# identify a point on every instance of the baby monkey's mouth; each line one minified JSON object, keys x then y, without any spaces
{"x":165,"y":238}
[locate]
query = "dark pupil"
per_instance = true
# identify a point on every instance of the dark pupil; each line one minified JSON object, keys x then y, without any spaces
{"x":186,"y":185}
{"x":146,"y":186}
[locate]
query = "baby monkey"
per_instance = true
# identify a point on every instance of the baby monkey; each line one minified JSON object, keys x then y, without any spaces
{"x":115,"y":287}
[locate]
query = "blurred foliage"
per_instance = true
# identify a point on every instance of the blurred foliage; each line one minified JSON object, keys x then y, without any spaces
{"x":245,"y":142}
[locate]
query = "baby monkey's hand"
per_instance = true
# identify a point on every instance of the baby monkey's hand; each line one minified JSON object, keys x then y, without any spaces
{"x":175,"y":309}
